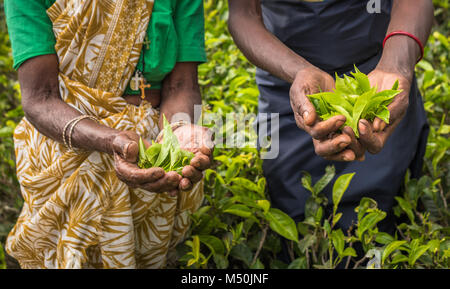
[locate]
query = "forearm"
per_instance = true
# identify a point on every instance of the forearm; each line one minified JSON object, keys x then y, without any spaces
{"x":401,"y":52}
{"x":49,"y":114}
{"x":260,"y":46}
{"x":180,"y":92}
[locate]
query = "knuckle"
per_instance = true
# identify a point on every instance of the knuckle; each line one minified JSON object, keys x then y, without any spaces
{"x":314,"y":133}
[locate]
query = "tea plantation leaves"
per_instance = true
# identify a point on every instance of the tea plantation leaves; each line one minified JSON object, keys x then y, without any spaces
{"x":355,"y":99}
{"x":167,"y":155}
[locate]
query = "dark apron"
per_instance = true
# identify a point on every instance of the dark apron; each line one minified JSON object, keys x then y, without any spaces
{"x":334,"y":35}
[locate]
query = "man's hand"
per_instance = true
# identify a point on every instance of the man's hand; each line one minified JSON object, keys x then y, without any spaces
{"x":126,"y":150}
{"x":373,"y":136}
{"x":327,"y":143}
{"x":198,"y":140}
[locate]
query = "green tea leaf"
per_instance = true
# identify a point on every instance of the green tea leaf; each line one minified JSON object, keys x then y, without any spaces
{"x":281,"y":223}
{"x":142,"y":154}
{"x":384,"y":238}
{"x":335,"y":99}
{"x":383,"y":114}
{"x":339,"y":187}
{"x":307,"y":181}
{"x":399,"y":258}
{"x":369,"y":221}
{"x":349,"y":252}
{"x":299,"y":263}
{"x":345,"y":85}
{"x":239,"y":210}
{"x":245,"y":183}
{"x":336,"y":219}
{"x":308,"y":241}
{"x":416,"y":253}
{"x":214,"y":244}
{"x":390,"y":248}
{"x":337,"y":238}
{"x":152,"y":152}
{"x":325,"y":179}
{"x":362,"y":79}
{"x":395,"y":86}
{"x":406,"y":207}
{"x":263,"y":204}
{"x":361,"y":103}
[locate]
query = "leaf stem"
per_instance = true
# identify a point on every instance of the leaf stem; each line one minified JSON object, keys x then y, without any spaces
{"x":261,"y":243}
{"x":359,"y":262}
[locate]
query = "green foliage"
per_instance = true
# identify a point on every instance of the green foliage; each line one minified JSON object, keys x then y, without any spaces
{"x":166,"y":155}
{"x":10,"y":115}
{"x":354,"y":98}
{"x":235,"y":212}
{"x":2,"y":258}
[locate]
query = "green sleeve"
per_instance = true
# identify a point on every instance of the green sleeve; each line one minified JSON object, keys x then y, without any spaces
{"x":189,"y":22}
{"x":30,"y":29}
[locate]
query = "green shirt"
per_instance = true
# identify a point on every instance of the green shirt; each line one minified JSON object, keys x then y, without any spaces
{"x":176,"y":34}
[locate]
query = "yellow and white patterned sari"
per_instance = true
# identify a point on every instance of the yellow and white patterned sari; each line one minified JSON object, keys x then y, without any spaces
{"x":77,"y":213}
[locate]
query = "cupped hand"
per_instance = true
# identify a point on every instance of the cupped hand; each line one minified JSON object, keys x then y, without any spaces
{"x":373,"y":136}
{"x":199,"y":141}
{"x":328,"y":143}
{"x":126,"y":150}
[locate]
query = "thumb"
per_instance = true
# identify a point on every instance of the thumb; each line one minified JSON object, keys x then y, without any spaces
{"x":301,"y":105}
{"x":126,"y":148}
{"x":306,"y":109}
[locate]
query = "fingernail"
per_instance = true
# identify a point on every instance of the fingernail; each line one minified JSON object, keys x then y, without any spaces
{"x":305,"y":114}
{"x":362,"y":128}
{"x":348,"y":158}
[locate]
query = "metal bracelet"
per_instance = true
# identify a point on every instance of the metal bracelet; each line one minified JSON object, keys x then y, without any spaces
{"x":74,"y":122}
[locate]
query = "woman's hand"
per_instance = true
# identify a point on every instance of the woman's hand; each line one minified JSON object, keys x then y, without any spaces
{"x":373,"y":136}
{"x":126,"y":150}
{"x":327,"y":143}
{"x":198,"y":140}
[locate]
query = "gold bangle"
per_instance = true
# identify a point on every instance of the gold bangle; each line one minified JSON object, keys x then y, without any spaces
{"x":65,"y":129}
{"x":74,"y":123}
{"x":174,"y":126}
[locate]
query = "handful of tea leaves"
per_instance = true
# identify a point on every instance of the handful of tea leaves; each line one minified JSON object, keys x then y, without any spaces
{"x":355,"y":99}
{"x":167,"y":155}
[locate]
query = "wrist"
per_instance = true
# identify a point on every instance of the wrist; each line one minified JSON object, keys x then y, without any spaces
{"x":303,"y":68}
{"x":107,"y":141}
{"x":400,"y":55}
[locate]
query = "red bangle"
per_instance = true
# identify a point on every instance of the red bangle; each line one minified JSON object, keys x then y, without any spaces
{"x":409,"y":35}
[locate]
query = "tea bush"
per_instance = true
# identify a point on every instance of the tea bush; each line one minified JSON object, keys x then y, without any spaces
{"x":237,"y":227}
